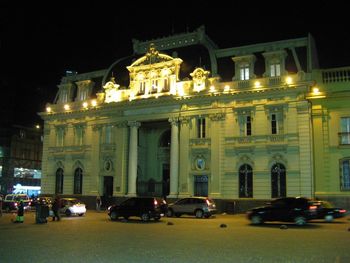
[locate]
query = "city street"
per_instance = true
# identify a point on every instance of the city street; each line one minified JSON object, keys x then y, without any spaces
{"x":94,"y":238}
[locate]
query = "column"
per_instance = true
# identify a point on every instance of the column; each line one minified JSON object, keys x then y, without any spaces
{"x":132,"y":176}
{"x":174,"y":158}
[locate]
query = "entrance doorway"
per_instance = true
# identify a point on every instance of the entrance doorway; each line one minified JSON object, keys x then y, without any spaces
{"x":201,"y":185}
{"x":107,"y":191}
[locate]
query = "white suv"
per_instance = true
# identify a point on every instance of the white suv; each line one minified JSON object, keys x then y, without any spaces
{"x":197,"y":206}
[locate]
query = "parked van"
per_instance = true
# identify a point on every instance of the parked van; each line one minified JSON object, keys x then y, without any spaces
{"x":11,"y":202}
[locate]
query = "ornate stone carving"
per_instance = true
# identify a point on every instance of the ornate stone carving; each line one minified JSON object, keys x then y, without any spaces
{"x":217,"y":116}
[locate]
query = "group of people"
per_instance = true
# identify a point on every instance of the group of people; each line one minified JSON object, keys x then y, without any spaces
{"x":55,"y":209}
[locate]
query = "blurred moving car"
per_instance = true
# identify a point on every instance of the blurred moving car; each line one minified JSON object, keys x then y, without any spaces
{"x":197,"y":206}
{"x":72,"y":206}
{"x":11,"y":202}
{"x":144,"y":207}
{"x":327,"y":211}
{"x":288,"y":209}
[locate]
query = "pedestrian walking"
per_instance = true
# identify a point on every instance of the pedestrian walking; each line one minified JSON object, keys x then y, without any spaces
{"x":56,"y":209}
{"x":98,"y":202}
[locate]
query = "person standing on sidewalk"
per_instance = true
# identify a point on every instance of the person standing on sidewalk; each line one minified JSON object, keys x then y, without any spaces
{"x":56,"y":209}
{"x":20,"y":213}
{"x":0,"y":205}
{"x":98,"y":203}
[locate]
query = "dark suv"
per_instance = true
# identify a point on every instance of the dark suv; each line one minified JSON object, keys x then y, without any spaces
{"x":143,"y":207}
{"x":288,"y":209}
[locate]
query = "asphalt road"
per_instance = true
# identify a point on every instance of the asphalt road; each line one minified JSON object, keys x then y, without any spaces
{"x":94,"y":238}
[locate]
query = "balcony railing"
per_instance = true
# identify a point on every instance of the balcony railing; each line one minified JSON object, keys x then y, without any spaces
{"x":336,"y":75}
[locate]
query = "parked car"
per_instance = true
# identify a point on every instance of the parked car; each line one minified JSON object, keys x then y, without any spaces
{"x":327,"y":211}
{"x":11,"y":202}
{"x":144,"y":207}
{"x":197,"y":206}
{"x":289,"y":209}
{"x":72,"y":206}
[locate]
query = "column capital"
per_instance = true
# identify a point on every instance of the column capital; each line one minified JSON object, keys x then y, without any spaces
{"x":134,"y":124}
{"x":184,"y":120}
{"x":174,"y":120}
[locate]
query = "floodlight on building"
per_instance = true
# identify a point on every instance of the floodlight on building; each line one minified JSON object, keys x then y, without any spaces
{"x":212,"y":89}
{"x":66,"y":107}
{"x":131,"y":96}
{"x":226,"y":88}
{"x":37,"y":126}
{"x":289,"y":80}
{"x":315,"y":90}
{"x":93,"y":103}
{"x":257,"y":84}
{"x":48,"y":109}
{"x":85,"y":105}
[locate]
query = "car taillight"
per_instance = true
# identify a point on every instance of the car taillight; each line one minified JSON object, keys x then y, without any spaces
{"x":312,"y":207}
{"x":207,"y":201}
{"x":155,"y":202}
{"x":16,"y":204}
{"x":342,"y":211}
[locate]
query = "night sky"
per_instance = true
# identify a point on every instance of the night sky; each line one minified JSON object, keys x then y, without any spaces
{"x":40,"y":42}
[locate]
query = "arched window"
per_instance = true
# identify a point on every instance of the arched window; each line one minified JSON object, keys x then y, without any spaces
{"x":78,"y":181}
{"x":278,"y":180}
{"x":59,"y":181}
{"x":245,"y":181}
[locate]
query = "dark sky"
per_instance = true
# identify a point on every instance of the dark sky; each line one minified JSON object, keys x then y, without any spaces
{"x":39,"y":42}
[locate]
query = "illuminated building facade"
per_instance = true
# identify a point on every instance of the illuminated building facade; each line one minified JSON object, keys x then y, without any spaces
{"x":151,"y":124}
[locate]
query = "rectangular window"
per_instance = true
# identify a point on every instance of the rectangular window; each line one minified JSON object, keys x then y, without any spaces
{"x":142,"y":87}
{"x":275,"y":70}
{"x":273,"y":124}
{"x":154,"y":86}
{"x":345,"y":175}
{"x":166,"y":85}
{"x":248,"y":126}
{"x":201,"y":127}
{"x":345,"y":130}
{"x":60,"y":137}
{"x":245,"y":125}
{"x":108,"y":138}
{"x":79,"y":135}
{"x":244,"y":72}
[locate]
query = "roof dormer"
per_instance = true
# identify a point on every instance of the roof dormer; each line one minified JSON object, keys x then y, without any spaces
{"x":275,"y":63}
{"x":154,"y":73}
{"x":244,"y":67}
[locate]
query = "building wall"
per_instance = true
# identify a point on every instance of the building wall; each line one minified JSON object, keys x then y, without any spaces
{"x":307,"y":143}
